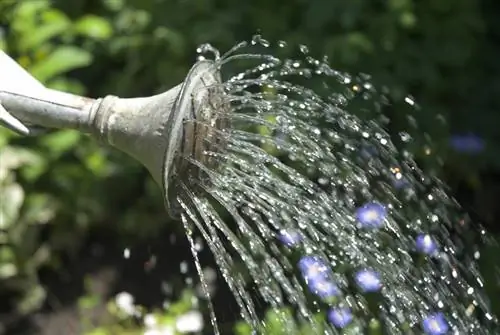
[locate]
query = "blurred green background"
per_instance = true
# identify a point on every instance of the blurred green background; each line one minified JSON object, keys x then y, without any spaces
{"x":69,"y":207}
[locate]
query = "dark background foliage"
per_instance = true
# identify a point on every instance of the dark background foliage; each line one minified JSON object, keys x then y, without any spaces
{"x":70,"y":206}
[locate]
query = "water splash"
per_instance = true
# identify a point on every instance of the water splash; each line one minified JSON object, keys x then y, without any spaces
{"x":311,"y":194}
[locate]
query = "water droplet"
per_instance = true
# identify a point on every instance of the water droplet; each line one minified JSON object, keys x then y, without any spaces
{"x":405,"y":137}
{"x":208,"y":48}
{"x":410,"y":101}
{"x":184,"y":267}
{"x":291,"y":172}
{"x":257,"y":39}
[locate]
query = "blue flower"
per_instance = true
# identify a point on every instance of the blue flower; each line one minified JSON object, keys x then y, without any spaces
{"x":340,"y":317}
{"x":290,"y":237}
{"x":426,"y":244}
{"x":467,"y":143}
{"x":323,"y":288}
{"x":371,"y":214}
{"x":368,"y":280}
{"x":313,"y":268}
{"x":435,"y":324}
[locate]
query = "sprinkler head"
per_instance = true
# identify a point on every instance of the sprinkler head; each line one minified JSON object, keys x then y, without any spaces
{"x":166,"y":132}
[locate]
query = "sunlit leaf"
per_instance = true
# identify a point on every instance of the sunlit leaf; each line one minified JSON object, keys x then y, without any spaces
{"x":13,"y":157}
{"x":7,"y":270}
{"x":57,"y":25}
{"x":94,"y":27}
{"x":40,"y":208}
{"x":242,"y":328}
{"x":60,"y":142}
{"x":62,"y":60}
{"x":11,"y":200}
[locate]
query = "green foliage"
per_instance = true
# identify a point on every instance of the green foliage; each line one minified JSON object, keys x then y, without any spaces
{"x":64,"y":183}
{"x":55,"y":182}
{"x":126,"y":317}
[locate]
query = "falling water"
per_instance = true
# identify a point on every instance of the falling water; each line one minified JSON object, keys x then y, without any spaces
{"x":301,"y":183}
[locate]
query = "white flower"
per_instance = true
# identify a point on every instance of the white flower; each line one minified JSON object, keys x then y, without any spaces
{"x":125,"y":302}
{"x":150,"y":321}
{"x":190,"y":322}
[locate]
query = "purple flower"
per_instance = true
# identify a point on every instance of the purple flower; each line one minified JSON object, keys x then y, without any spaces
{"x":371,"y":214}
{"x":467,"y":143}
{"x":290,"y":237}
{"x":368,"y":280}
{"x":435,"y":324}
{"x":323,"y":288}
{"x":340,"y":317}
{"x":313,"y":268}
{"x":426,"y":244}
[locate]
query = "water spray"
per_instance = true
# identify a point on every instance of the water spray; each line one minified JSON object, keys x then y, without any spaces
{"x":154,"y":130}
{"x":323,"y":210}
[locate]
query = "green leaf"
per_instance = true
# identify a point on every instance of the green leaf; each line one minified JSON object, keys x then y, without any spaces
{"x":278,"y":322}
{"x":359,"y":41}
{"x":7,"y":270}
{"x":11,"y":200}
{"x":39,"y":208}
{"x":13,"y":158}
{"x":63,"y":59}
{"x":57,"y":24}
{"x":60,"y":142}
{"x":67,"y":85}
{"x":242,"y":328}
{"x":98,"y":331}
{"x":97,"y":163}
{"x":3,"y":41}
{"x":88,"y":302}
{"x":27,"y":10}
{"x":316,"y":326}
{"x":32,"y":299}
{"x":94,"y":27}
{"x":374,"y":327}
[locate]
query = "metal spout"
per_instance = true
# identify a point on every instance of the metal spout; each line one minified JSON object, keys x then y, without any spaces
{"x":162,"y":131}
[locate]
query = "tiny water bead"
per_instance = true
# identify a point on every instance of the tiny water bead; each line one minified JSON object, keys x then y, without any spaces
{"x":340,"y":317}
{"x":371,"y":215}
{"x":426,"y":244}
{"x":303,"y":162}
{"x":368,"y":280}
{"x":435,"y":324}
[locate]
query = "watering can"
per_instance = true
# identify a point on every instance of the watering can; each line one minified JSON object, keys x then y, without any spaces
{"x":158,"y":131}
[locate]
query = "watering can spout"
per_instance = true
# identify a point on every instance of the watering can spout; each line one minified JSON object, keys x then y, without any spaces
{"x":159,"y":131}
{"x":27,"y":105}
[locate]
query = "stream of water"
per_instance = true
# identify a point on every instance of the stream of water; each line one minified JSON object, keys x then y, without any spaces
{"x":305,"y":187}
